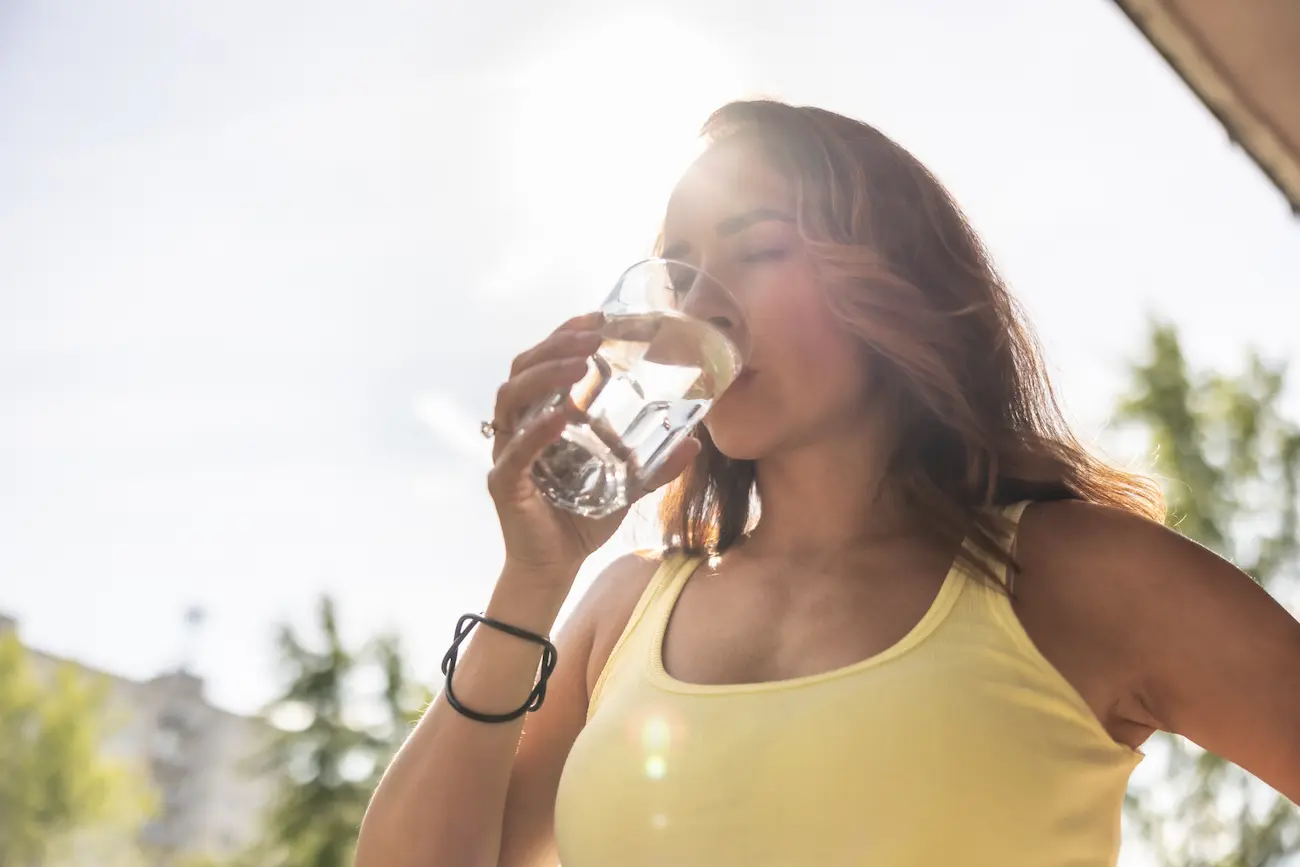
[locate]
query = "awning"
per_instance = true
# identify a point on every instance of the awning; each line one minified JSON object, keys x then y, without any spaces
{"x":1242,"y":58}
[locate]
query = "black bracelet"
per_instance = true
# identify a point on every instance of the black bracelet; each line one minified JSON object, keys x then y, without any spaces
{"x":466,"y":625}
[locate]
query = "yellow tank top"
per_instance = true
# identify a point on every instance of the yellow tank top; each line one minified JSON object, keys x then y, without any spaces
{"x":959,"y":745}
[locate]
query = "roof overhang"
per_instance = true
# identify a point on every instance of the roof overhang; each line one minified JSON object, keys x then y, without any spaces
{"x":1242,"y":58}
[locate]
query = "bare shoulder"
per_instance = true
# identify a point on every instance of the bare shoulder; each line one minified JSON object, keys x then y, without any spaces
{"x":1202,"y":650}
{"x":1114,"y":571}
{"x":1125,"y":557}
{"x":1077,"y":609}
{"x":609,"y":602}
{"x":1073,"y":523}
{"x":1066,"y":532}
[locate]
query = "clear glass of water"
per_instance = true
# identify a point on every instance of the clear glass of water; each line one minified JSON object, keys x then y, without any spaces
{"x":675,"y":338}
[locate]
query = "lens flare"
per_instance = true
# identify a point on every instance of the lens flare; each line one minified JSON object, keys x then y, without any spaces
{"x":656,"y":735}
{"x":656,"y":767}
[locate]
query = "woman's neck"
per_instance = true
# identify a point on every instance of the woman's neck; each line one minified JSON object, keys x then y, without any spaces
{"x":826,"y":496}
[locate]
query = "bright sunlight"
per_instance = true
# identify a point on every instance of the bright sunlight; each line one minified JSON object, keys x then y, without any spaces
{"x":604,"y":129}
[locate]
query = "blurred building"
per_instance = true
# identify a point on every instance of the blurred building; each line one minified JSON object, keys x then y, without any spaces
{"x":202,"y":761}
{"x":1242,"y":59}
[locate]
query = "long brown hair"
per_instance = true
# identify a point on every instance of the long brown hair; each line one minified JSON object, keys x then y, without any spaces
{"x":946,"y":344}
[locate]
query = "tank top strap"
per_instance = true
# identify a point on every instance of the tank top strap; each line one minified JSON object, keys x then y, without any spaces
{"x":1004,"y":532}
{"x":995,"y":607}
{"x":1012,"y":515}
{"x":644,"y":622}
{"x":991,"y":603}
{"x":1015,"y":512}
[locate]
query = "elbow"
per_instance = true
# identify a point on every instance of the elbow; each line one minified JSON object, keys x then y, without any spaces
{"x":400,"y":838}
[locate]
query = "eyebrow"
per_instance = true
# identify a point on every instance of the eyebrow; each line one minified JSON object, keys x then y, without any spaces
{"x":732,"y":225}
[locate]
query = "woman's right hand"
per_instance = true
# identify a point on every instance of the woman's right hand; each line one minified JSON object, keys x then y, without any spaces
{"x":540,"y":538}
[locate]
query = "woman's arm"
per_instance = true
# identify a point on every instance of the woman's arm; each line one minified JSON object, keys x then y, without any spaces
{"x":1209,"y":654}
{"x":528,"y":827}
{"x":461,"y":792}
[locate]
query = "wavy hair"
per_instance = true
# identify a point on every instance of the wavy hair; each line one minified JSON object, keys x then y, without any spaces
{"x":948,"y":348}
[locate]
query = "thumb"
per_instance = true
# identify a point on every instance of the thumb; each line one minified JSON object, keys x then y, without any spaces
{"x":675,"y":464}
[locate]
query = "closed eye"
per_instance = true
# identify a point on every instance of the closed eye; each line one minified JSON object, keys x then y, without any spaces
{"x":770,"y":255}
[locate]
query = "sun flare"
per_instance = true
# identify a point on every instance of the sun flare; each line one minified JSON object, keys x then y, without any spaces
{"x":607,"y":122}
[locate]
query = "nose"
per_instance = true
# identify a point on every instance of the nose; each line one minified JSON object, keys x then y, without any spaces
{"x":708,"y":300}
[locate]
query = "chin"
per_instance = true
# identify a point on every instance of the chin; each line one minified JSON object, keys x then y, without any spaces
{"x":736,"y":451}
{"x":738,"y":424}
{"x":735,"y":438}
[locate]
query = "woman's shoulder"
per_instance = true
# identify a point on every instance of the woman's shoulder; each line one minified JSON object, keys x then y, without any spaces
{"x":618,"y":586}
{"x":612,"y":598}
{"x":1199,"y":645}
{"x":1112,"y":578}
{"x":1080,"y":595}
{"x":1092,"y":553}
{"x":1072,"y":534}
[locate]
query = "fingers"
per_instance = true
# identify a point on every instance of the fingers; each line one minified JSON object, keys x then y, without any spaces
{"x":582,"y":322}
{"x":575,"y":337}
{"x":675,"y":464}
{"x":525,"y":390}
{"x":510,"y":480}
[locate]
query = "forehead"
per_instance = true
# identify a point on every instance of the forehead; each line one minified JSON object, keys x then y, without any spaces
{"x":728,"y":178}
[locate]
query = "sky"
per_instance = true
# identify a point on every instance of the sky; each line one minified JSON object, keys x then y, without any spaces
{"x":263,"y":266}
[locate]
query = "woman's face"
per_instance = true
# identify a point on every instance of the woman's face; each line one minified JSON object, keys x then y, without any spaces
{"x":733,"y":216}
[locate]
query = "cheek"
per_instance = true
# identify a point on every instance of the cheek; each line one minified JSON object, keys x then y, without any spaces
{"x":808,"y":349}
{"x":820,"y":371}
{"x":809,"y":373}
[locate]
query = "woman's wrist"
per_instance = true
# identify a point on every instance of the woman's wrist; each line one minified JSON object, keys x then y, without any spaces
{"x":467,"y":624}
{"x":530,"y":599}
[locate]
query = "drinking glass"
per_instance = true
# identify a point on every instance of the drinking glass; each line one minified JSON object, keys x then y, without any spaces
{"x":674,"y":340}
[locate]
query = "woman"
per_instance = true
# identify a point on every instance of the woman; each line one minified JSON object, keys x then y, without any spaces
{"x":942,"y":641}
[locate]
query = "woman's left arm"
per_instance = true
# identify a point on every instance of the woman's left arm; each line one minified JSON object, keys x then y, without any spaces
{"x":1214,"y":657}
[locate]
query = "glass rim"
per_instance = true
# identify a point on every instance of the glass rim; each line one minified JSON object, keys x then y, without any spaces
{"x":739,"y":343}
{"x":649,"y":261}
{"x":664,"y":260}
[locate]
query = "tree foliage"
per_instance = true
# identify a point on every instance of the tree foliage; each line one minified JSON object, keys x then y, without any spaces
{"x":1230,"y":459}
{"x":56,"y":782}
{"x":330,"y":755}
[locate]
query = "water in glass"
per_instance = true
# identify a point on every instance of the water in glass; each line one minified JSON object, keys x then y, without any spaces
{"x":653,"y":378}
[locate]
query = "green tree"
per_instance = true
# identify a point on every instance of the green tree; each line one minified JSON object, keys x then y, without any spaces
{"x":337,"y":741}
{"x":1231,"y":462}
{"x":253,"y":858}
{"x":55,"y":782}
{"x":404,"y":699}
